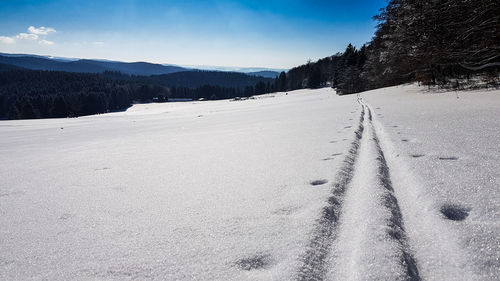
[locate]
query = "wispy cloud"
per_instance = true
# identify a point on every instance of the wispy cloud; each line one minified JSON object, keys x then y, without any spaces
{"x":27,"y":36}
{"x":42,"y":30}
{"x":32,"y":35}
{"x":45,"y":42}
{"x":7,"y":40}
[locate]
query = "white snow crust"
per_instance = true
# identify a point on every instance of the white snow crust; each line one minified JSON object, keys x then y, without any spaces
{"x":444,"y":150}
{"x":172,"y":191}
{"x":234,"y":190}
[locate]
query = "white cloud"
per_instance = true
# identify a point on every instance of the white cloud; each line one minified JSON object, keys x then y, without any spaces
{"x":7,"y":40}
{"x":33,"y":34}
{"x":27,"y":36}
{"x":42,"y":30}
{"x":98,"y":43}
{"x":45,"y":42}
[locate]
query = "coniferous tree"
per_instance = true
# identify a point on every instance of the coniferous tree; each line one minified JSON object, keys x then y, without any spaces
{"x":282,"y":82}
{"x":59,"y":108}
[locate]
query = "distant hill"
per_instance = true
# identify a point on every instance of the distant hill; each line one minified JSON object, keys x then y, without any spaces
{"x":198,"y":78}
{"x":7,"y":67}
{"x":261,"y":71}
{"x":37,"y":56}
{"x":88,"y":66}
{"x":37,"y":62}
{"x":266,"y":73}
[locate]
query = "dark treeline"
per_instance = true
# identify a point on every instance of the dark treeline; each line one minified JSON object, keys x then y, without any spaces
{"x":340,"y":71}
{"x":28,"y":94}
{"x":416,"y":40}
{"x":199,"y":78}
{"x":194,"y":79}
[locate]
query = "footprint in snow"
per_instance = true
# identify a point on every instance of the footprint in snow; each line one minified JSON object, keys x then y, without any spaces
{"x":65,"y":216}
{"x":318,"y":182}
{"x":259,"y":261}
{"x":455,"y":212}
{"x":448,"y":158}
{"x":102,"y":169}
{"x":417,"y":155}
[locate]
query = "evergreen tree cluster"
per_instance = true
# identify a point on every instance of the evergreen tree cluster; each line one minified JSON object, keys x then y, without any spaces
{"x":429,"y":41}
{"x":341,"y":70}
{"x":194,"y":79}
{"x":29,"y":94}
{"x":198,"y":78}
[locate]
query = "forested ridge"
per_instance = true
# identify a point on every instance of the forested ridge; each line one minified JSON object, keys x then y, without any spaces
{"x":28,"y":94}
{"x":87,"y":65}
{"x":194,"y":79}
{"x":433,"y":42}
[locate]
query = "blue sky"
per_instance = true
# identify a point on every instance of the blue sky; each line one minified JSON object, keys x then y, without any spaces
{"x":275,"y":34}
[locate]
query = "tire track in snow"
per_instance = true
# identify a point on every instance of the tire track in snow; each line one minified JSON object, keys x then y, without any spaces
{"x":313,"y":263}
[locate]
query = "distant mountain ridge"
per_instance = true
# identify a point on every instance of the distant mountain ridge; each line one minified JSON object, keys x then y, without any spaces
{"x":88,"y":66}
{"x":38,"y":56}
{"x":37,"y":62}
{"x":264,"y":73}
{"x":199,"y":78}
{"x":257,"y":71}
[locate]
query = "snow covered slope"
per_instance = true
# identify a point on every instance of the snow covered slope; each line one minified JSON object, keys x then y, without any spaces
{"x":396,"y":185}
{"x":173,"y":191}
{"x":445,"y":152}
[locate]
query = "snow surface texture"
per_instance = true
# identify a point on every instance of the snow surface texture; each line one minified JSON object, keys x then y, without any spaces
{"x":399,"y":184}
{"x":445,"y":156}
{"x":208,"y":190}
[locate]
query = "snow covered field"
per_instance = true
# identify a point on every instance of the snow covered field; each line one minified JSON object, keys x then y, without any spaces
{"x":445,"y":154}
{"x":398,"y":185}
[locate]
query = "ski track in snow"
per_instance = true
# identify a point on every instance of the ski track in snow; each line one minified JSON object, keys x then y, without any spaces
{"x":362,"y":233}
{"x":372,"y":242}
{"x":434,"y":245}
{"x":362,"y":211}
{"x":314,"y":261}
